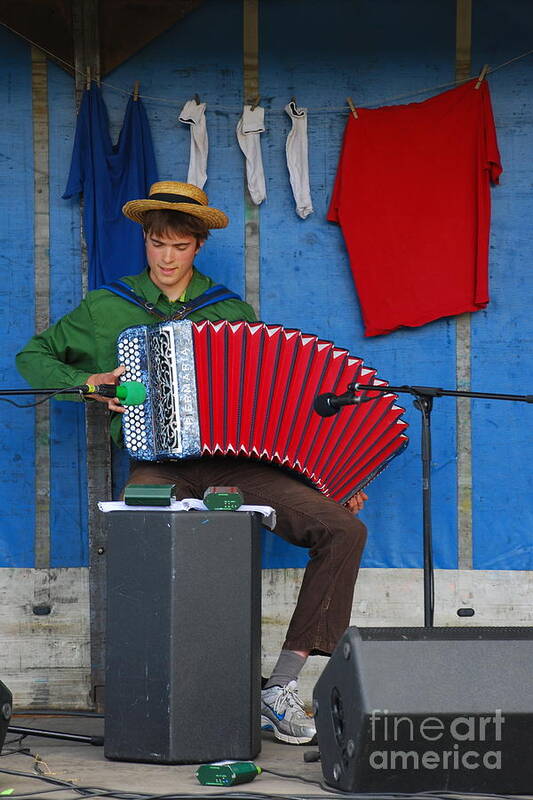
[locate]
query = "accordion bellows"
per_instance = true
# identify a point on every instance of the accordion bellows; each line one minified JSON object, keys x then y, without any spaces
{"x":247,"y":389}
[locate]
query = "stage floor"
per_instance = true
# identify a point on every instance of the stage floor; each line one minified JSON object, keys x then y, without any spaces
{"x":85,"y":766}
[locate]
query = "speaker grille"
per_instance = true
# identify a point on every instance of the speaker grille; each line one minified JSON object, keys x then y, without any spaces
{"x":444,"y":634}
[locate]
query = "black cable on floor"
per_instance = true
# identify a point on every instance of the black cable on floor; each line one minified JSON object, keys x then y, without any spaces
{"x":44,"y":713}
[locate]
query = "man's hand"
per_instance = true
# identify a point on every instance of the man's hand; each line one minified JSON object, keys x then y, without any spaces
{"x":356,"y":503}
{"x":113,"y":403}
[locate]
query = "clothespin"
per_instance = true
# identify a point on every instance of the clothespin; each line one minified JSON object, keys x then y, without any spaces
{"x":352,"y":107}
{"x":136,"y":87}
{"x":88,"y":79}
{"x":482,"y":76}
{"x":197,"y":99}
{"x":255,"y":103}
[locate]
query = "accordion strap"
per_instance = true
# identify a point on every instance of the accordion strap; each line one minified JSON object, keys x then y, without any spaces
{"x":212,"y":295}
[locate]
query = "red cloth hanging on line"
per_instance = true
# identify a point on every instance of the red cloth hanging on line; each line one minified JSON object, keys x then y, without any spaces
{"x":412,"y":195}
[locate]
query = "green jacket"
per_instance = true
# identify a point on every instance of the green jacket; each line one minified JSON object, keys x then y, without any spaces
{"x":83,"y":342}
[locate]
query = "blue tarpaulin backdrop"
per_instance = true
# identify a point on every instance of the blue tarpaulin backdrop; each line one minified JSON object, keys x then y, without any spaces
{"x":372,"y":51}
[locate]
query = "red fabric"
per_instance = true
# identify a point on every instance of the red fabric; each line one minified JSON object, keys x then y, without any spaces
{"x":412,"y":196}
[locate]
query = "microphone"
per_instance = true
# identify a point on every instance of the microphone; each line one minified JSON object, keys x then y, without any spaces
{"x":130,"y":393}
{"x":326,"y":405}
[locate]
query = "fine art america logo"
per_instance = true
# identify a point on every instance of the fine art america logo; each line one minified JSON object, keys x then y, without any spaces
{"x":456,"y":743}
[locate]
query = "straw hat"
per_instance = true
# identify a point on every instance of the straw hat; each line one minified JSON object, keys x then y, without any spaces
{"x":176,"y":196}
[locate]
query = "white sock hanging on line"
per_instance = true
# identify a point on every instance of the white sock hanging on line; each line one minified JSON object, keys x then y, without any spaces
{"x":249,"y":128}
{"x":193,"y":114}
{"x":297,"y":159}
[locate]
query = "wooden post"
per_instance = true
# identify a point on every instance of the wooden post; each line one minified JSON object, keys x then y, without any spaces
{"x":251,"y":90}
{"x":463,"y":357}
{"x":86,"y":50}
{"x":42,"y":297}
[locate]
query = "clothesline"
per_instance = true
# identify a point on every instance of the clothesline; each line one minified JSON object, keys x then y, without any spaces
{"x":231,"y":109}
{"x":337,"y":109}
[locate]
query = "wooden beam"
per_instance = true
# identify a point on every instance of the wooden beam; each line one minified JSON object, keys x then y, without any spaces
{"x":123,"y":27}
{"x":126,"y":27}
{"x":463,"y":354}
{"x":86,"y":48}
{"x":41,"y":226}
{"x":251,"y":90}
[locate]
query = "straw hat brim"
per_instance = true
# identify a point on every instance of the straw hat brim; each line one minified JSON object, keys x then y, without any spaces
{"x":136,"y":209}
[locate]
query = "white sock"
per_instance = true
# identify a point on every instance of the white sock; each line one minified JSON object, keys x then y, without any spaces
{"x":287,"y":669}
{"x":249,"y":128}
{"x":193,"y":114}
{"x":298,"y":161}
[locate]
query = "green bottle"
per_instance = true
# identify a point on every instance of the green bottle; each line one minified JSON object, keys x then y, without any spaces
{"x":227,"y":774}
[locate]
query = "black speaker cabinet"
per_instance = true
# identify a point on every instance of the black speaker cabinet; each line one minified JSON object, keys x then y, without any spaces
{"x":416,"y":709}
{"x":183,"y":669}
{"x":6,"y":705}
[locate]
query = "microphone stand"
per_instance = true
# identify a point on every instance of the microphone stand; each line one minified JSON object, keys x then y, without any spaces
{"x":21,"y":392}
{"x":133,"y":393}
{"x":424,"y":396}
{"x":97,"y":741}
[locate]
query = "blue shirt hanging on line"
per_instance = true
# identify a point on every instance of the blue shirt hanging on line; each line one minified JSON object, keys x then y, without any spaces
{"x":108,"y":176}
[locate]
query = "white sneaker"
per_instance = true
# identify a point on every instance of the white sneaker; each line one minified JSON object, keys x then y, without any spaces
{"x":283,"y":712}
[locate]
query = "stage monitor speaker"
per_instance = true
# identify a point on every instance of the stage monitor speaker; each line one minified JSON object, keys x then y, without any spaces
{"x":419,"y":709}
{"x":6,"y":705}
{"x":183,"y":641}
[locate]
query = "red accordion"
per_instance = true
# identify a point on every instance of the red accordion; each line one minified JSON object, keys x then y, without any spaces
{"x":247,"y":389}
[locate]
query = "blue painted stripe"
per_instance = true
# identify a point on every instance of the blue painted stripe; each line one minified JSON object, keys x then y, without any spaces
{"x":17,"y":485}
{"x":501,"y":335}
{"x":68,"y":474}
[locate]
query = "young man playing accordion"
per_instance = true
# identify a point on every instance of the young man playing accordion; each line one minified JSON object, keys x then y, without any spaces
{"x":81,"y":348}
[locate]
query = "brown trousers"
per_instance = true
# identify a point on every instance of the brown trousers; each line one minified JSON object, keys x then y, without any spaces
{"x":305,"y":517}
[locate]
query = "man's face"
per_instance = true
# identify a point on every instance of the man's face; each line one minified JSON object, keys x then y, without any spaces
{"x":170,"y":257}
